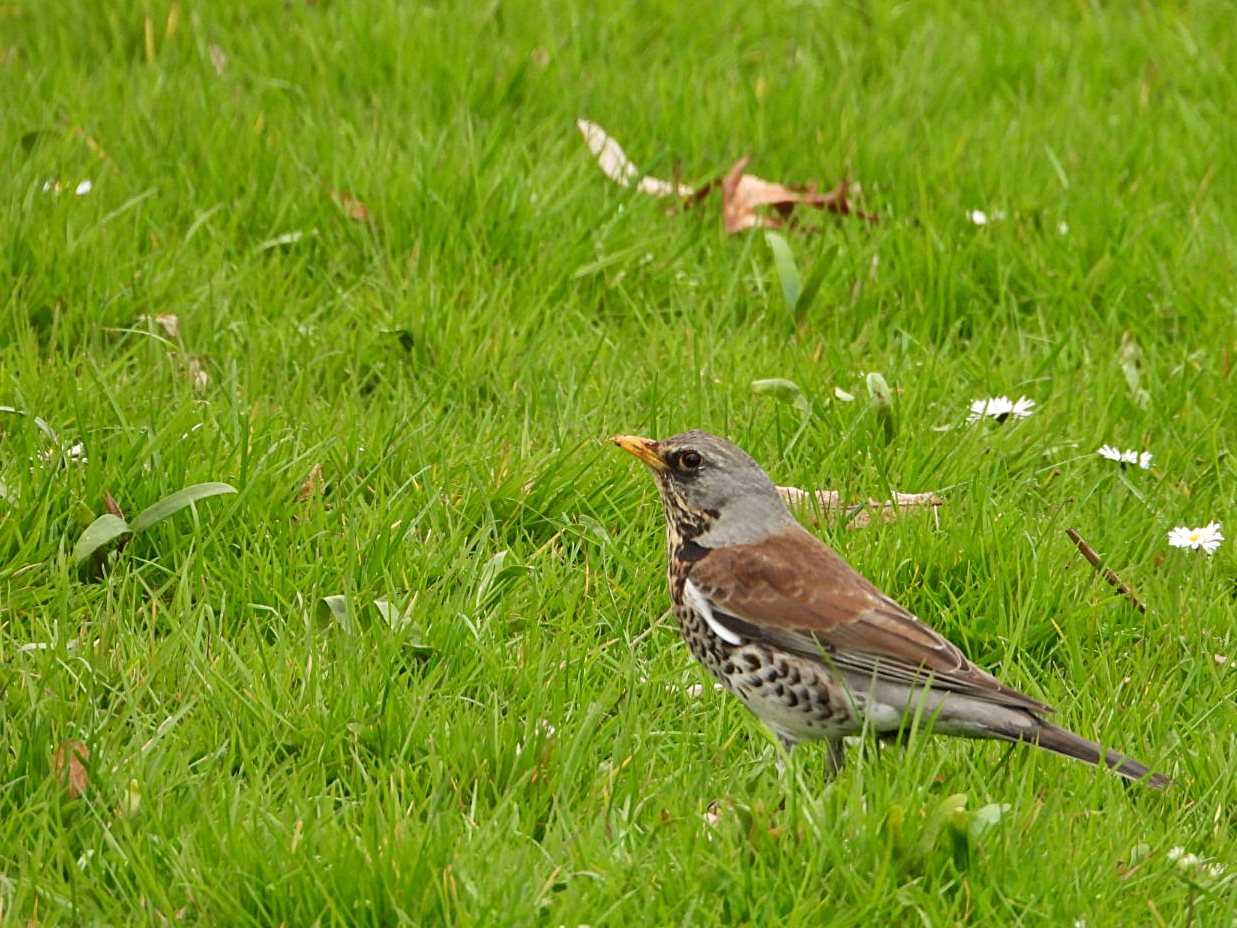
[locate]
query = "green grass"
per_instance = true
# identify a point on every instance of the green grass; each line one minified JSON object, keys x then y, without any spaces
{"x":525,"y":751}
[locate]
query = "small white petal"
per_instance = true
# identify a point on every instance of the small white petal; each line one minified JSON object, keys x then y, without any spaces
{"x":977,"y":216}
{"x":84,"y":188}
{"x":1022,"y":409}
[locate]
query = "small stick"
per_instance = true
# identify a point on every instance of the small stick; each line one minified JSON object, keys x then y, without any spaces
{"x":1089,"y":553}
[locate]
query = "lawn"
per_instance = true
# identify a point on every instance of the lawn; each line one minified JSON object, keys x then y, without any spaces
{"x":355,"y":261}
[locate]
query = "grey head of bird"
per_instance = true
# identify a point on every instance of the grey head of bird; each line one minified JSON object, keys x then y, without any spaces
{"x":712,"y":491}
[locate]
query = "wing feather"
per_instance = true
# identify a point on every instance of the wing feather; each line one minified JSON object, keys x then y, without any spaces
{"x":793,"y":592}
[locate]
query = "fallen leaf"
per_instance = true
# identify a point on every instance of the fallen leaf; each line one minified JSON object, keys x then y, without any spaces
{"x":353,"y":208}
{"x":312,"y":485}
{"x":68,"y":766}
{"x":218,"y":59}
{"x":615,"y":164}
{"x":743,"y":192}
{"x":197,"y":375}
{"x":169,"y":323}
{"x":830,"y":504}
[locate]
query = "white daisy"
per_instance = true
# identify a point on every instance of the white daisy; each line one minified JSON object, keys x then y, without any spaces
{"x":1129,"y":456}
{"x":980,"y":218}
{"x":76,"y":453}
{"x":1208,"y":537}
{"x":1192,"y":862}
{"x":1000,"y":408}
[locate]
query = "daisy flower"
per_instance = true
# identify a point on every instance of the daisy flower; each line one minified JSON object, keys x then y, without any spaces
{"x":1141,"y":459}
{"x":1000,"y":408}
{"x":980,"y":218}
{"x":1208,"y":537}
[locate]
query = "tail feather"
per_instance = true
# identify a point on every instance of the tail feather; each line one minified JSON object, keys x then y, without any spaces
{"x":1061,"y":741}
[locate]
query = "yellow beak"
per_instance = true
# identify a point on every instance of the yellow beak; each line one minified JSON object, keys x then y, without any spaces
{"x":643,"y":448}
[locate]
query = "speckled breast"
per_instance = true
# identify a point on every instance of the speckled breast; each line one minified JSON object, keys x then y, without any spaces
{"x":796,"y":697}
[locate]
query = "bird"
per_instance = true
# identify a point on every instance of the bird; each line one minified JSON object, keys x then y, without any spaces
{"x":814,"y":649}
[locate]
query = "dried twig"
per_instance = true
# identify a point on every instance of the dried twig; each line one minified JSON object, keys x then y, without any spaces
{"x":1094,"y":559}
{"x":831,"y":506}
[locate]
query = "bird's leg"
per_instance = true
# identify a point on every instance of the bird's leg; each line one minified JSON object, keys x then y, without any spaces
{"x":784,"y":755}
{"x":835,"y":757}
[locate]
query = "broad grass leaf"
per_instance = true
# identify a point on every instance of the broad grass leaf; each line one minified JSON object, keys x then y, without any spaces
{"x":400,"y":620}
{"x":334,"y":610}
{"x":787,"y":272}
{"x":495,"y":576}
{"x":983,"y":820}
{"x":98,"y":535}
{"x":1130,"y":358}
{"x":784,"y":391}
{"x":812,"y":286}
{"x":882,"y":402}
{"x":175,"y":502}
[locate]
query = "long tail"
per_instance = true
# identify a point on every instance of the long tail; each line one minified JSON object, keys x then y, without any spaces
{"x":1062,"y":741}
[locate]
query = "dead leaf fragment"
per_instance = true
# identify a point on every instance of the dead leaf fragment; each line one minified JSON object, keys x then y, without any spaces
{"x":167,"y":321}
{"x":69,"y":767}
{"x":312,"y":485}
{"x":198,"y":377}
{"x":218,"y":59}
{"x":615,"y":164}
{"x":859,"y":515}
{"x":743,"y":192}
{"x":353,"y":208}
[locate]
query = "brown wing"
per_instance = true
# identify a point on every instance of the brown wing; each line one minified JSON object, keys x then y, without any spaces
{"x":793,"y":592}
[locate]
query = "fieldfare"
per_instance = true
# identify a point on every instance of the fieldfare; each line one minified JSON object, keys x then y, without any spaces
{"x":809,"y":645}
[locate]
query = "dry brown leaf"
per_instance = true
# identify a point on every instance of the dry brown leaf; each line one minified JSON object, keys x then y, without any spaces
{"x":615,"y":164}
{"x":169,"y":323}
{"x":830,"y":505}
{"x":110,"y":504}
{"x":198,"y":377}
{"x":353,"y":208}
{"x":742,"y":193}
{"x":312,"y":485}
{"x":218,"y":59}
{"x":69,"y":768}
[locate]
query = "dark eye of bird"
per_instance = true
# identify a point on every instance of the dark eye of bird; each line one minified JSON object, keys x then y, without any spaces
{"x":690,"y":460}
